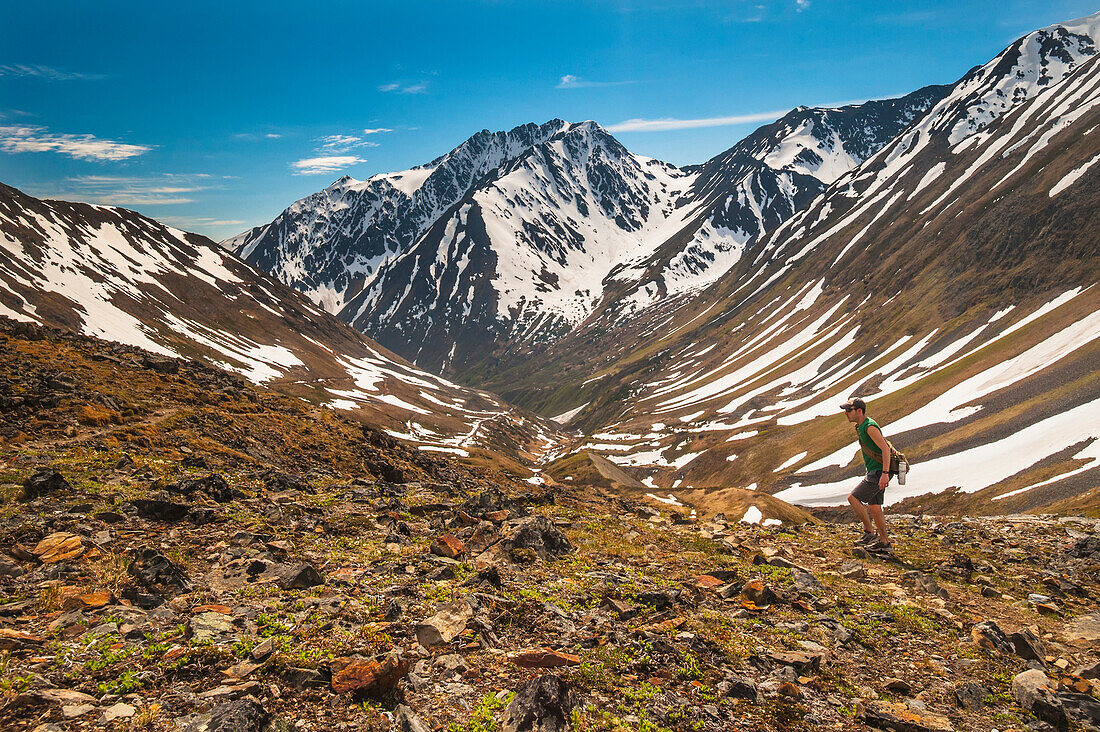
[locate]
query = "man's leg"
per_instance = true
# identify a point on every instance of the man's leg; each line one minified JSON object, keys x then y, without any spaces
{"x":861,"y":513}
{"x":880,"y":522}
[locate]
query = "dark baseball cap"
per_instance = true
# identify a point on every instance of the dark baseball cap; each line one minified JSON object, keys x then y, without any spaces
{"x":854,"y":403}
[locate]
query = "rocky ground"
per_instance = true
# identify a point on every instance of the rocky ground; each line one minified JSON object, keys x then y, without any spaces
{"x":180,"y":550}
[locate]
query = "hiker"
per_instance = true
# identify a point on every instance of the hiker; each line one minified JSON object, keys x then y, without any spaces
{"x":867,"y":498}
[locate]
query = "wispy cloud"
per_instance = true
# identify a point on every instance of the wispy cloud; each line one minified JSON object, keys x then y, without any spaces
{"x":163,"y":190}
{"x":33,"y":138}
{"x":342,"y":143}
{"x":668,"y":123}
{"x":325,"y":164}
{"x":36,"y":71}
{"x":376,"y":130}
{"x":193,"y":223}
{"x":401,"y":87}
{"x":569,"y":81}
{"x":256,"y":136}
{"x":801,"y":5}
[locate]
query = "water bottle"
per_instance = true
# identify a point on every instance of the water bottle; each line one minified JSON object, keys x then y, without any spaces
{"x":903,"y":468}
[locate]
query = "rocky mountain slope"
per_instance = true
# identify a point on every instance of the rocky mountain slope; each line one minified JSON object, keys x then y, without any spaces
{"x":115,"y":274}
{"x":186,"y":566}
{"x":514,"y":238}
{"x":950,"y":280}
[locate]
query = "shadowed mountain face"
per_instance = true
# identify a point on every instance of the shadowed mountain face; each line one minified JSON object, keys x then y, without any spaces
{"x":492,"y":252}
{"x":115,"y":274}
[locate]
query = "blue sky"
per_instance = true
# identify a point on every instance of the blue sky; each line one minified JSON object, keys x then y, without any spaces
{"x":215,"y":116}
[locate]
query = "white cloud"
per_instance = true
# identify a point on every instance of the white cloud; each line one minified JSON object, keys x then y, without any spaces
{"x":376,"y":130}
{"x":36,"y":71}
{"x":325,"y":164}
{"x":569,"y":81}
{"x":166,"y":190}
{"x":342,"y":143}
{"x":668,"y":123}
{"x":802,"y":5}
{"x":33,"y":138}
{"x":671,"y":123}
{"x":402,"y":88}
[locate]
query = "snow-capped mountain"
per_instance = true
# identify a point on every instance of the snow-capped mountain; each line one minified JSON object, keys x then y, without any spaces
{"x":758,"y":184}
{"x":117,"y":275}
{"x":514,"y":238}
{"x":951,"y":281}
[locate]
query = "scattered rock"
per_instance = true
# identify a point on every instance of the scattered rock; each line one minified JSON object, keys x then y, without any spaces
{"x":121,"y":710}
{"x":541,"y":536}
{"x":300,"y":577}
{"x":970,"y":695}
{"x":369,"y":678}
{"x":442,"y":627}
{"x":1033,"y":691}
{"x":543,"y":704}
{"x":543,"y":658}
{"x":43,"y":482}
{"x":1027,"y":645}
{"x":448,"y":545}
{"x":900,"y":718}
{"x":58,"y":547}
{"x":406,"y":720}
{"x":241,"y":715}
{"x":156,"y":572}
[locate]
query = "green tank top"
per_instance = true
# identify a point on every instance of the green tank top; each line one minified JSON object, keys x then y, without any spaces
{"x":868,"y":446}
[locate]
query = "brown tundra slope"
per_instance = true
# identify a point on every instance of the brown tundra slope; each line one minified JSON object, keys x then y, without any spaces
{"x":182,"y":550}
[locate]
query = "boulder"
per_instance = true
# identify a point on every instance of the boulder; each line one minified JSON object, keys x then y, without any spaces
{"x":300,"y":577}
{"x":58,"y":547}
{"x":543,"y":704}
{"x":445,"y":625}
{"x":368,"y":677}
{"x":157,"y":510}
{"x":240,"y":715}
{"x":155,"y":571}
{"x":212,"y":485}
{"x":900,"y":718}
{"x":1033,"y":691}
{"x":44,"y":481}
{"x":970,"y":695}
{"x":543,"y":538}
{"x":988,"y":635}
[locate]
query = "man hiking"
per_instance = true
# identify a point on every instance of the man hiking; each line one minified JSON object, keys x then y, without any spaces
{"x":872,"y":489}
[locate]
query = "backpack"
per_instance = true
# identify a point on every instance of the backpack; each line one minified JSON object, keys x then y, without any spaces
{"x":897,"y":457}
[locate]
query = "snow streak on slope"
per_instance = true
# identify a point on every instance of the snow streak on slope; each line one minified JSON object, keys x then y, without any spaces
{"x":114,"y":274}
{"x":953,"y":324}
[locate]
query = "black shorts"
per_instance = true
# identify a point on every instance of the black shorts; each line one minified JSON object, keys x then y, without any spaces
{"x":868,"y":491}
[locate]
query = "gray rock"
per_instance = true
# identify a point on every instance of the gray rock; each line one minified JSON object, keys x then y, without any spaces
{"x":301,"y":577}
{"x":121,"y":710}
{"x":543,"y":704}
{"x":45,"y":480}
{"x":1032,"y":691}
{"x":407,"y":721}
{"x":241,"y":715}
{"x":1028,"y":646}
{"x":542,"y":537}
{"x":209,"y":627}
{"x":442,"y":627}
{"x":970,"y":696}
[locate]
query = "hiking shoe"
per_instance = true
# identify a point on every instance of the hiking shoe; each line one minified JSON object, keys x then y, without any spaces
{"x":867,"y":538}
{"x":881,"y":546}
